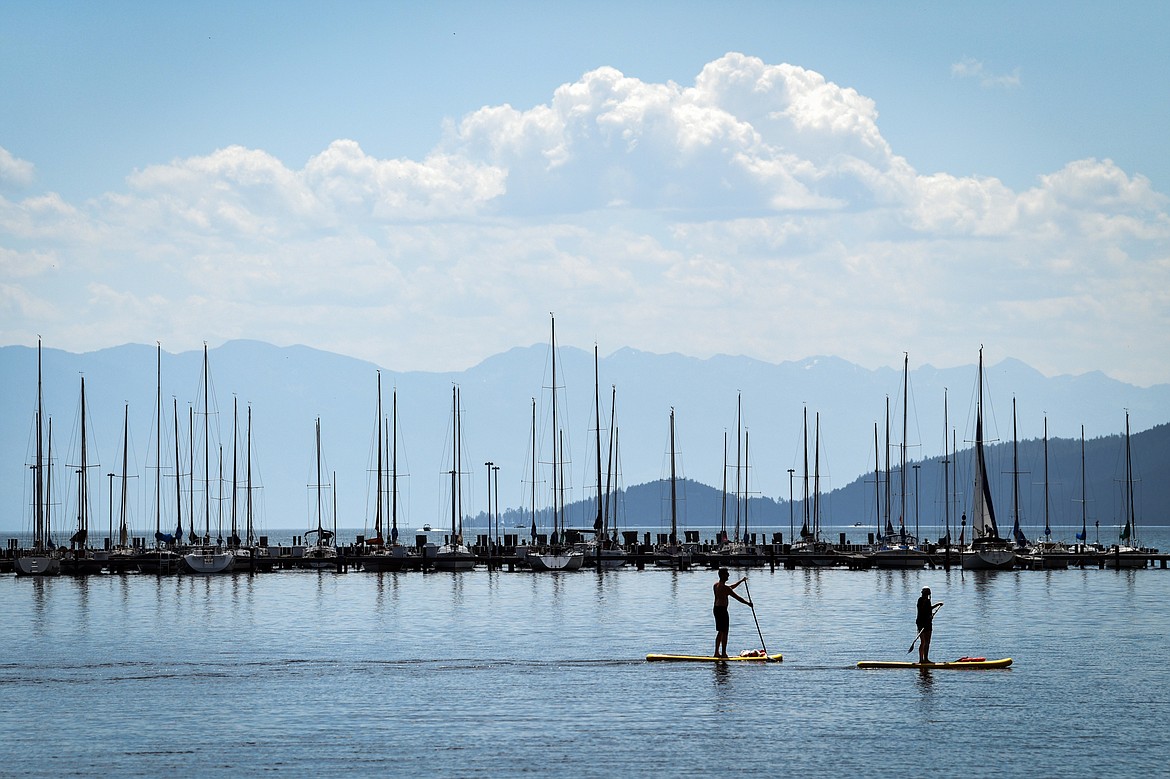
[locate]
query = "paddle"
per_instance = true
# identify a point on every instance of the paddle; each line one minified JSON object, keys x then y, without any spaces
{"x":937,"y":606}
{"x":752,"y":603}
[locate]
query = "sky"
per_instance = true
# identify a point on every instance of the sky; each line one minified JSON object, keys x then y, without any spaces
{"x":421,"y":184}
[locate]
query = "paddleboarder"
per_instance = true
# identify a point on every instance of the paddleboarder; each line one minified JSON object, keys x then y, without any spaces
{"x":722,"y":620}
{"x":924,"y":623}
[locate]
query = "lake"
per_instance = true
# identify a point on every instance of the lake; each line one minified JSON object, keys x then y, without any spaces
{"x":503,"y":673}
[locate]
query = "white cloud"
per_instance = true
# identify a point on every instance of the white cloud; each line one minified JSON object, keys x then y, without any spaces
{"x":969,"y":67}
{"x":757,"y":211}
{"x":15,"y":173}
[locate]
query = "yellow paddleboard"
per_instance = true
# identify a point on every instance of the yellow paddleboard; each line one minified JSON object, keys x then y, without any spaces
{"x":956,"y":665}
{"x":706,"y":659}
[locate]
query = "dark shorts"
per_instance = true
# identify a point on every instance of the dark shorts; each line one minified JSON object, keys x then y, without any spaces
{"x":722,"y":621}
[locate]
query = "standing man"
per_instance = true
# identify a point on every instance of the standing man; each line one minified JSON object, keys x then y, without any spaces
{"x":722,"y":620}
{"x":924,"y":623}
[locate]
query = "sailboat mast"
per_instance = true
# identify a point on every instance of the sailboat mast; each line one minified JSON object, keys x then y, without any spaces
{"x":804,"y":501}
{"x":1084,"y":503}
{"x":946,"y":463}
{"x":248,"y":480}
{"x":234,"y":539}
{"x":178,"y":478}
{"x":394,"y":467}
{"x":124,"y":535}
{"x":206,"y":453}
{"x":39,"y":467}
{"x":817,"y":478}
{"x":378,"y":480}
{"x":158,"y":445}
{"x":320,"y":508}
{"x":723,"y":501}
{"x":902,"y":466}
{"x":738,"y":452}
{"x":673,"y":493}
{"x":598,"y":524}
{"x":555,"y":492}
{"x":533,"y":483}
{"x":1047,"y":525}
{"x":877,"y":481}
{"x":746,"y":473}
{"x":83,"y":487}
{"x":454,"y":457}
{"x":1130,"y":520}
{"x":609,"y":459}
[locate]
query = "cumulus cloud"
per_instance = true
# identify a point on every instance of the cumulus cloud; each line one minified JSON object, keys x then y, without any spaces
{"x":758,"y":210}
{"x":15,"y":173}
{"x":969,"y":67}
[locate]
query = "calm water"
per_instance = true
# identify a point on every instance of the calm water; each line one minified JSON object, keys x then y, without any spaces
{"x":502,"y":673}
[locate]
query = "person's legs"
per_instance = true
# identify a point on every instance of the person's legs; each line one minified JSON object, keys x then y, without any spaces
{"x":924,"y":647}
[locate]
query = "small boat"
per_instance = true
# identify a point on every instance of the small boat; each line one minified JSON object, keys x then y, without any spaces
{"x":455,"y":555}
{"x":207,"y":558}
{"x":962,"y":664}
{"x":672,"y":554}
{"x":322,"y":553}
{"x":987,"y":552}
{"x":753,"y":656}
{"x":42,"y":559}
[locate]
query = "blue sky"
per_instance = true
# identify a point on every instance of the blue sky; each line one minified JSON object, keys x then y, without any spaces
{"x":944,"y":175}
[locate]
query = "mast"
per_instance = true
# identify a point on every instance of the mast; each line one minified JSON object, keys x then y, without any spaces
{"x":378,"y":482}
{"x":983,"y":509}
{"x":817,"y":478}
{"x":206,"y":453}
{"x":39,"y":467}
{"x":320,"y":508}
{"x":248,"y":479}
{"x":946,"y":463}
{"x":123,"y":534}
{"x":723,"y":501}
{"x":1129,"y":532}
{"x":191,"y":467}
{"x":533,"y":470}
{"x":1084,"y":534}
{"x":877,"y":481}
{"x":804,"y":502}
{"x":599,"y":523}
{"x":902,"y":466}
{"x":746,"y":498}
{"x":1047,"y":524}
{"x":393,"y":466}
{"x":738,"y":452}
{"x":234,"y":539}
{"x":609,"y":459}
{"x":83,"y":485}
{"x":673,"y":493}
{"x":178,"y":480}
{"x":555,"y":492}
{"x":1016,"y":532}
{"x":158,"y":446}
{"x":454,"y":458}
{"x":49,"y":487}
{"x":889,"y":473}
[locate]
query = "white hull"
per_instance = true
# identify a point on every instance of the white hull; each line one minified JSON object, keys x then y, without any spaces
{"x":37,"y":565}
{"x":454,"y":558}
{"x":209,"y":561}
{"x":1124,"y":557}
{"x":561,"y":561}
{"x":989,"y":558}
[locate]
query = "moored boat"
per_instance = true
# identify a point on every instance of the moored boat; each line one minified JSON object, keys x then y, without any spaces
{"x":987,"y":551}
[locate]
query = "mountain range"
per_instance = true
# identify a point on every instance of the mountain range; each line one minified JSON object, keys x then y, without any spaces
{"x":722,"y":405}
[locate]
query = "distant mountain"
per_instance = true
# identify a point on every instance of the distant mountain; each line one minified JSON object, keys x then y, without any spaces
{"x":289,"y":387}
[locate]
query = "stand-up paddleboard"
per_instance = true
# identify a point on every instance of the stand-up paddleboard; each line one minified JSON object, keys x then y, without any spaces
{"x":962,"y":664}
{"x":707,"y":659}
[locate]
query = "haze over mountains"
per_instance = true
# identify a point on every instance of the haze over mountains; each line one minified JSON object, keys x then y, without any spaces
{"x":289,"y":387}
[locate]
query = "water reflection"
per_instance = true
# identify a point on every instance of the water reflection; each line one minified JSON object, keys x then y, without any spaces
{"x":925,"y":680}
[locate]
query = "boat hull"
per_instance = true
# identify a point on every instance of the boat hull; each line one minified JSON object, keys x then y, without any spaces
{"x":207,"y":563}
{"x":989,"y":558}
{"x":37,"y":565}
{"x":971,"y":665}
{"x":566,"y":561}
{"x":708,"y":659}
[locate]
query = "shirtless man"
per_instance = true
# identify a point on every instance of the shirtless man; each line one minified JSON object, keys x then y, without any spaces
{"x":722,"y":620}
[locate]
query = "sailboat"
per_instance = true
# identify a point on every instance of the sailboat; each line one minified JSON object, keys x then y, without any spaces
{"x":455,"y":555}
{"x":123,"y":556}
{"x":81,"y":559}
{"x":206,"y":558}
{"x":322,"y":551}
{"x":733,"y":550}
{"x":557,"y":556}
{"x":1046,"y":554}
{"x":1127,"y":553}
{"x":42,"y":559}
{"x":673,"y":554}
{"x":602,"y":550}
{"x":987,"y":551}
{"x":391,"y":556}
{"x":900,"y":549}
{"x":812,"y":550}
{"x":162,"y":559}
